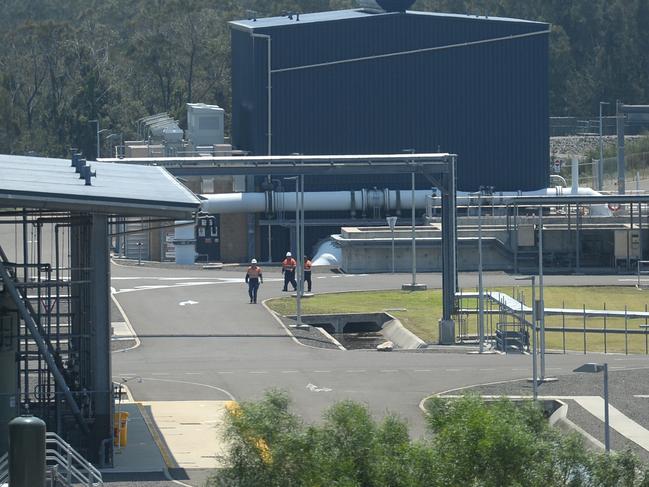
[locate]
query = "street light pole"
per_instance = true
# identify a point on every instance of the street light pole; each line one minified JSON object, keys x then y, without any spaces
{"x":594,"y":368}
{"x":541,"y":310}
{"x":535,"y":384}
{"x":607,"y":424}
{"x":480,"y":282}
{"x":414,"y":239}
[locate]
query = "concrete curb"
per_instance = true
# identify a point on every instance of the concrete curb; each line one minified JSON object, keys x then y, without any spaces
{"x":128,"y":325}
{"x":396,"y":332}
{"x":290,"y":333}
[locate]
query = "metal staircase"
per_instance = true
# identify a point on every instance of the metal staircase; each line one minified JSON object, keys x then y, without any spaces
{"x":65,"y":467}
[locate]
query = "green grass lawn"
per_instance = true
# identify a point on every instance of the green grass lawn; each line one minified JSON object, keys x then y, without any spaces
{"x":420,"y":311}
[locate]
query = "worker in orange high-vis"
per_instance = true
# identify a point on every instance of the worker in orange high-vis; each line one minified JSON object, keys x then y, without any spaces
{"x":307,"y":272}
{"x":288,"y":269}
{"x":253,"y":278}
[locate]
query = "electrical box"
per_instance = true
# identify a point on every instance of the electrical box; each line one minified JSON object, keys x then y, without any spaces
{"x":526,"y":236}
{"x":627,"y":244}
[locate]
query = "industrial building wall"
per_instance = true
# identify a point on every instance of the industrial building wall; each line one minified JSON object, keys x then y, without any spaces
{"x":486,"y":102}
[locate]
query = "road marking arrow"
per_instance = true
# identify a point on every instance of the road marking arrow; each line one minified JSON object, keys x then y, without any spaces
{"x":315,"y":388}
{"x":185,"y":303}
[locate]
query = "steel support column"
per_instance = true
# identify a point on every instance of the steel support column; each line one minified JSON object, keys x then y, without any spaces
{"x":101,"y":339}
{"x":449,"y":250}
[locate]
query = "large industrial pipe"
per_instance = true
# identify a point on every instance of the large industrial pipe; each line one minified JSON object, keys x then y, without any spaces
{"x":365,"y":199}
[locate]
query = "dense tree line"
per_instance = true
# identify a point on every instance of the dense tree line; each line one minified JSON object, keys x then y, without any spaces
{"x":64,"y":63}
{"x":500,"y":444}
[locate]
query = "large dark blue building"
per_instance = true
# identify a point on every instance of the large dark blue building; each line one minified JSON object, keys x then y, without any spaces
{"x":357,"y":82}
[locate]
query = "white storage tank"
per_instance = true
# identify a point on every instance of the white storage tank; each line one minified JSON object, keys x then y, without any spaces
{"x":204,"y":124}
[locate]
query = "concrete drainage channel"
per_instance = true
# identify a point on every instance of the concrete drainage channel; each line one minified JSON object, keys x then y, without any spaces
{"x":365,"y":330}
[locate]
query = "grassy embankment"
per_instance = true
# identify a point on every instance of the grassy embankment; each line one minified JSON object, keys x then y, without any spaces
{"x":419,"y":312}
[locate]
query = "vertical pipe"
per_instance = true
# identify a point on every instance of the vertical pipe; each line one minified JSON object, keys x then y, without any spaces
{"x":270,"y":250}
{"x":575,"y":176}
{"x":600,"y":165}
{"x":619,"y":117}
{"x":577,"y":239}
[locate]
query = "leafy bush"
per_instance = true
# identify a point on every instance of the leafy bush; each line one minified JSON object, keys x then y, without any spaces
{"x":474,"y":443}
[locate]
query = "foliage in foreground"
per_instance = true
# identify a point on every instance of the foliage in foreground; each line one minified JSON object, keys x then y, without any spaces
{"x":473,"y":444}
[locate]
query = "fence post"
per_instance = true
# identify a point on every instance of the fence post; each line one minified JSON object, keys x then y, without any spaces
{"x":645,"y":330}
{"x":626,"y":327}
{"x":605,"y":332}
{"x":563,"y":320}
{"x":584,"y":307}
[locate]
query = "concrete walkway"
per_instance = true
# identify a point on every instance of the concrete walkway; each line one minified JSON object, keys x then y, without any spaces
{"x":618,"y":421}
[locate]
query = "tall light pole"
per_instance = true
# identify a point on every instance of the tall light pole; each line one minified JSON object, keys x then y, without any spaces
{"x":480,"y":282}
{"x":600,"y":166}
{"x":535,"y":384}
{"x":413,"y":286}
{"x":541,"y":310}
{"x":593,"y":368}
{"x":98,"y":132}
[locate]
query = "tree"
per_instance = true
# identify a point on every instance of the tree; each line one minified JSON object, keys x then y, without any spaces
{"x":494,"y":444}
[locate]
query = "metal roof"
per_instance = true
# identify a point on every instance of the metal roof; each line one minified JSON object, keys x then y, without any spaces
{"x":337,"y":15}
{"x":38,"y":182}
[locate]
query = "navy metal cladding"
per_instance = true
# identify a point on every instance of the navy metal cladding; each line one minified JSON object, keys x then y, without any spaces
{"x":487,"y":102}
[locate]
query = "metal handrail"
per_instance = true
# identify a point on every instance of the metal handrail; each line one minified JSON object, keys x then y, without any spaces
{"x":4,"y":468}
{"x":73,"y":464}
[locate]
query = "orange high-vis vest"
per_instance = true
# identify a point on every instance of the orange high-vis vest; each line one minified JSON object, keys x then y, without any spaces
{"x":254,"y":272}
{"x":289,"y":264}
{"x":307,"y":265}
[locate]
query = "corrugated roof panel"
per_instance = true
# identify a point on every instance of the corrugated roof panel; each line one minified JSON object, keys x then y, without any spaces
{"x":117,"y":188}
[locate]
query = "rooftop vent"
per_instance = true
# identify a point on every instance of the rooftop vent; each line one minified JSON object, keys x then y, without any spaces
{"x":386,"y":5}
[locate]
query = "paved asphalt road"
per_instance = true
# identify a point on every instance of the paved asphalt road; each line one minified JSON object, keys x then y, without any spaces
{"x":221,"y":347}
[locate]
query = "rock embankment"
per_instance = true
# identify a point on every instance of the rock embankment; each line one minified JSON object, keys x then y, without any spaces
{"x":581,"y":144}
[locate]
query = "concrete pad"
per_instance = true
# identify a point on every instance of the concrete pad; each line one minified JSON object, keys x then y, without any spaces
{"x":121,"y":329}
{"x":618,"y":421}
{"x":141,"y":454}
{"x":192,"y":431}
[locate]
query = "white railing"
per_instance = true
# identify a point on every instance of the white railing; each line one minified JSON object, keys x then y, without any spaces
{"x":70,"y":466}
{"x":4,"y":469}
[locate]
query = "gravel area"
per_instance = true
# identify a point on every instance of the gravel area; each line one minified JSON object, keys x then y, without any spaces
{"x":623,"y":386}
{"x":118,"y":345}
{"x":310,"y":335}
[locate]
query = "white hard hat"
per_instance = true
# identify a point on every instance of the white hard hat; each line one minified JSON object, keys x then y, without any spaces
{"x":288,"y":254}
{"x":253,"y":261}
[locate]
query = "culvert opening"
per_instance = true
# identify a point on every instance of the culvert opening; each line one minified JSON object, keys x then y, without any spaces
{"x":361,"y":327}
{"x":360,"y":335}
